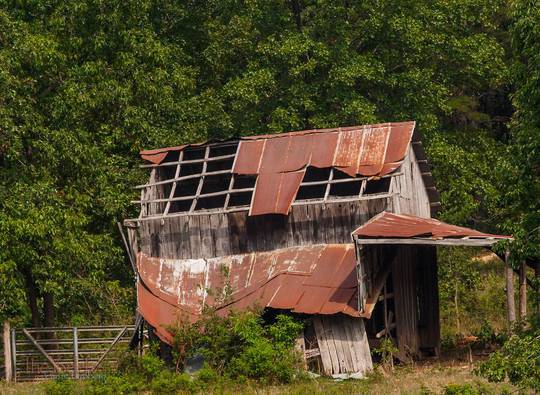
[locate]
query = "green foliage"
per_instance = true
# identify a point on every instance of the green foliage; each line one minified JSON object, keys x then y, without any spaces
{"x":241,"y":346}
{"x":522,"y":203}
{"x":466,"y":389}
{"x":518,"y":360}
{"x":85,"y":85}
{"x":386,"y":351}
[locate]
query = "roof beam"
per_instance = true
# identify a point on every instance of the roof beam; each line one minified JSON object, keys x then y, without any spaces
{"x":477,"y":242}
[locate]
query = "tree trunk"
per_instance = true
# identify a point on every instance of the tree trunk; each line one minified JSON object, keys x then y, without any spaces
{"x":32,"y":295}
{"x":523,"y":291}
{"x":48,"y":309}
{"x":510,"y":302}
{"x":49,"y":318}
{"x":456,"y":305}
{"x":537,"y":275}
{"x":295,"y":5}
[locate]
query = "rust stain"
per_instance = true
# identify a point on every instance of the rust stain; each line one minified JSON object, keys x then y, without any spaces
{"x":389,"y":225}
{"x":318,"y":279}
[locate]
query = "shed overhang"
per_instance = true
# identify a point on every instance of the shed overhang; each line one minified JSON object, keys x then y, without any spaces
{"x":390,"y":228}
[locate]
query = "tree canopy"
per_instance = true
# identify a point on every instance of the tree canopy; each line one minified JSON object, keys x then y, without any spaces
{"x":86,"y":84}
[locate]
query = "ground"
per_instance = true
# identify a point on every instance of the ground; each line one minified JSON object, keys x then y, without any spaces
{"x":427,"y":378}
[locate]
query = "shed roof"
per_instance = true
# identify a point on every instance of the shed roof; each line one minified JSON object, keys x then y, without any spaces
{"x":318,"y":279}
{"x":386,"y":228}
{"x":279,"y":161}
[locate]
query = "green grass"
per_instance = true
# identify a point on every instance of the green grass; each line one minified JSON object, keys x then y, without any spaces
{"x":425,"y":378}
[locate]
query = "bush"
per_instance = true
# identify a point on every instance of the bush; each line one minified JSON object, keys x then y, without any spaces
{"x":168,"y":382}
{"x":241,"y":346}
{"x":518,"y":360}
{"x":462,"y":389}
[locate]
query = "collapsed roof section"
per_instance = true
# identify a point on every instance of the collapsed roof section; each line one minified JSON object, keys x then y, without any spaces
{"x":267,"y":172}
{"x":319,"y":279}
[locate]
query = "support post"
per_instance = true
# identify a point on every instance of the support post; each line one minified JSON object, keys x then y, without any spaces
{"x":537,"y":276}
{"x":523,"y":291}
{"x":510,"y":302}
{"x":75,"y":354}
{"x":7,"y":352}
{"x":14,"y":355}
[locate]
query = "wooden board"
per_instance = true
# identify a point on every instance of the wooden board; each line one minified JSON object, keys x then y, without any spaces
{"x":221,"y":234}
{"x":343,"y":345}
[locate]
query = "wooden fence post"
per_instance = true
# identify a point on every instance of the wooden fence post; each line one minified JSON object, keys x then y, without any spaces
{"x":75,"y":354}
{"x":510,"y":302}
{"x":7,"y":352}
{"x":523,"y":291}
{"x":14,"y":354}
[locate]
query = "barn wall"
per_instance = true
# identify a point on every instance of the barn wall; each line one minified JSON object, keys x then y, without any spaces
{"x":411,"y":196}
{"x":215,"y":234}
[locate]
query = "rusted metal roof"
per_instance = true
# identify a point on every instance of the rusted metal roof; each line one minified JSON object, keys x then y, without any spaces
{"x":318,"y":279}
{"x":279,"y":161}
{"x":388,"y":225}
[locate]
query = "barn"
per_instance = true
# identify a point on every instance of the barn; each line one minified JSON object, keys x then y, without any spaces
{"x":333,"y":225}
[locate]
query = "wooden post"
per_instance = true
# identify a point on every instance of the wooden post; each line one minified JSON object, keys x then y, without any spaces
{"x":510,"y":302}
{"x":7,"y":352}
{"x":14,"y":355}
{"x":523,"y":291}
{"x":537,"y":275}
{"x":75,"y":354}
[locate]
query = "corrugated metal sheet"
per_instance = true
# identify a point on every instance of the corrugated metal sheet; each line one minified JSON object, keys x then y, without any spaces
{"x":317,"y":279}
{"x":156,"y":156}
{"x":369,"y":150}
{"x":389,"y":225}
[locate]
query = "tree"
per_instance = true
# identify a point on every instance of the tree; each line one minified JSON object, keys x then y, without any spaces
{"x":86,"y":84}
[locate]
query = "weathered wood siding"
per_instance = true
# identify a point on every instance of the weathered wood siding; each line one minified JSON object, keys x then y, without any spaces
{"x":343,"y":345}
{"x":213,"y":235}
{"x":411,"y":195}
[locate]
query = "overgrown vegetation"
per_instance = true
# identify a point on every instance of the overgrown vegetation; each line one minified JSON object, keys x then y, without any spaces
{"x":241,"y":346}
{"x":517,"y":361}
{"x":238,"y":349}
{"x":87,"y":84}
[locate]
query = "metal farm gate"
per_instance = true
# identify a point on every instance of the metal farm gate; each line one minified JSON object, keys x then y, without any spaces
{"x":44,"y":353}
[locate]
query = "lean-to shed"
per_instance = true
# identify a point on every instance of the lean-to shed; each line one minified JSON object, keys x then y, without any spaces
{"x":271,"y":220}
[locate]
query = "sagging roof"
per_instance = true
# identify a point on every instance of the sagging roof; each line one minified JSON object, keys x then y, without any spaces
{"x":280,"y":161}
{"x":318,"y":279}
{"x":387,"y":227}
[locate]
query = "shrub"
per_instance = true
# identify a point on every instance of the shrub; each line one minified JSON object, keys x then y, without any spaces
{"x":62,"y":385}
{"x":463,"y":389}
{"x":168,"y":382}
{"x":241,"y":346}
{"x":518,"y":360}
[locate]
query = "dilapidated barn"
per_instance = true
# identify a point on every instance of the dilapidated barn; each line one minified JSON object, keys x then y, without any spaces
{"x":331,"y":224}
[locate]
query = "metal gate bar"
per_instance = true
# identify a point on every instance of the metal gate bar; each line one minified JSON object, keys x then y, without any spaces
{"x":77,"y":352}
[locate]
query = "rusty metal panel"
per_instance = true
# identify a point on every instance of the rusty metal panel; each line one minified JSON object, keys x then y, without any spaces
{"x":275,"y":192}
{"x":299,"y":153}
{"x":372,"y":157}
{"x":249,"y":157}
{"x":338,"y":301}
{"x":389,"y":225}
{"x":288,"y":294}
{"x":313,"y":299}
{"x":323,"y":149}
{"x":176,"y":289}
{"x":160,"y":314}
{"x":349,"y":150}
{"x":274,"y":155}
{"x":328,"y":264}
{"x":398,"y":142}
